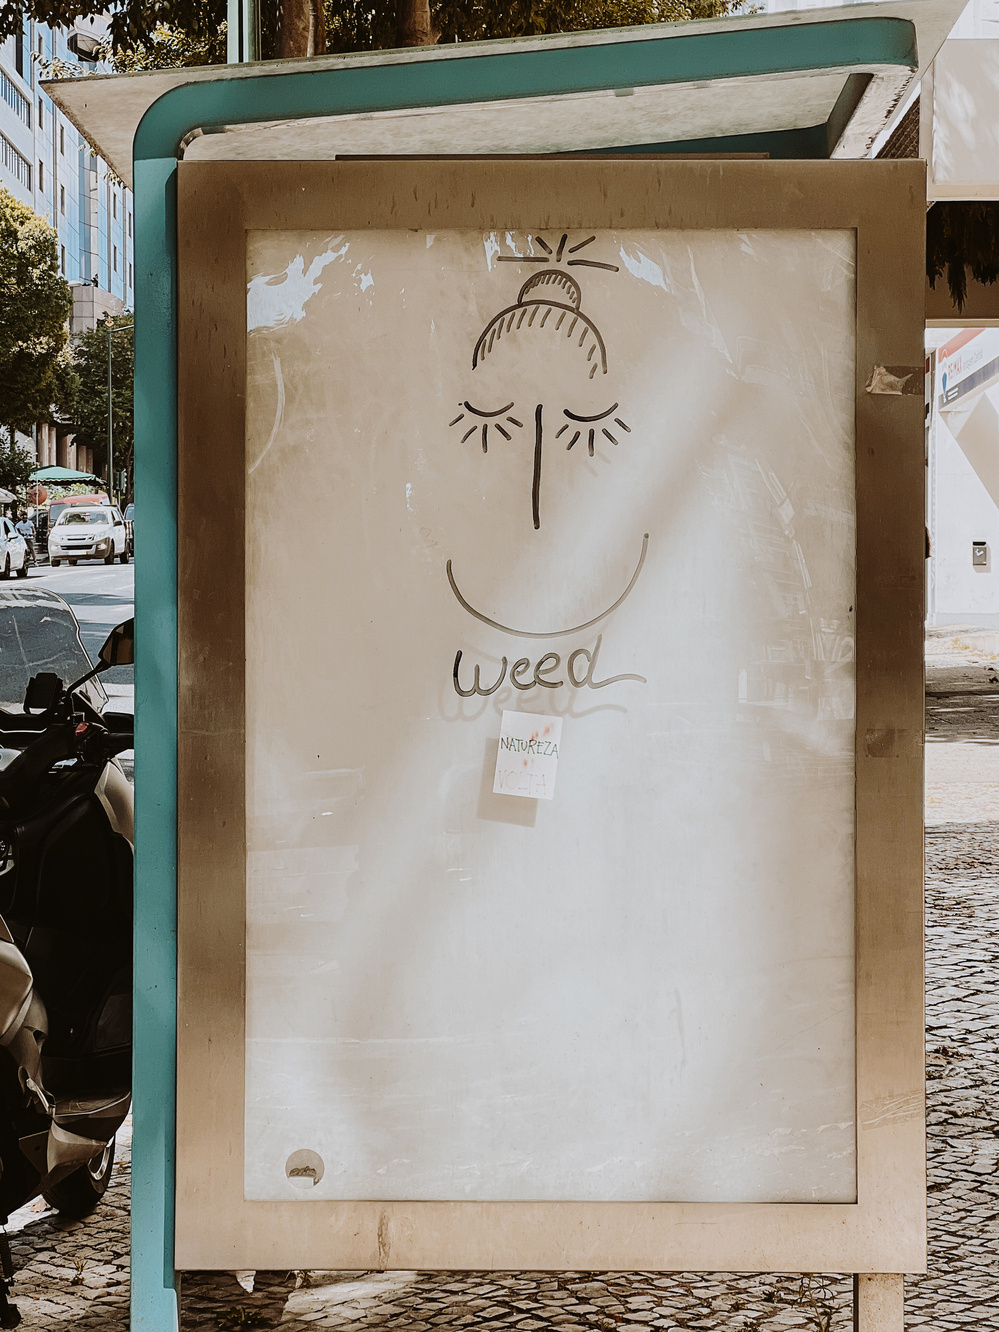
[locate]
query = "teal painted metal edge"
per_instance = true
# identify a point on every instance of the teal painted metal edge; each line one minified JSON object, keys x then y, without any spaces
{"x":810,"y":143}
{"x":477,"y":78}
{"x":744,"y":52}
{"x":154,"y":1306}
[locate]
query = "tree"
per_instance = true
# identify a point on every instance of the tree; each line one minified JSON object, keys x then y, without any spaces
{"x":962,"y":237}
{"x":166,"y":47}
{"x":16,"y":466}
{"x":155,"y":34}
{"x":90,"y":405}
{"x":35,"y":301}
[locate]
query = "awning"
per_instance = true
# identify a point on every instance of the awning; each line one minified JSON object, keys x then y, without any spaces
{"x":62,"y":476}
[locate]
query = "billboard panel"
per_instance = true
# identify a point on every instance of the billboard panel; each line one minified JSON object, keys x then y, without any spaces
{"x":550,"y":716}
{"x":592,"y":477}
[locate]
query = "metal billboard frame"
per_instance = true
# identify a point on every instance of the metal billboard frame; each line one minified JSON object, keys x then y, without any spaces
{"x":884,"y":1230}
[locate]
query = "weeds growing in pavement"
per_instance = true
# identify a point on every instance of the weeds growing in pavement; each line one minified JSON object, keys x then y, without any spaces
{"x":236,"y":1317}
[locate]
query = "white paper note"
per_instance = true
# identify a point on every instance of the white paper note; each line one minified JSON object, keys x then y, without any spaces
{"x":527,"y":760}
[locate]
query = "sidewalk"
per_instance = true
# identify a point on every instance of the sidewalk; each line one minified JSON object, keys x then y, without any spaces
{"x":74,"y":1275}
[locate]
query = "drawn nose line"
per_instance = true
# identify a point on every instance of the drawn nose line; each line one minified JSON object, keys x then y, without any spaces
{"x":536,"y":487}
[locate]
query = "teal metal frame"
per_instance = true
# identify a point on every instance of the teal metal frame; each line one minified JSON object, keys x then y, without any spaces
{"x":475,"y":77}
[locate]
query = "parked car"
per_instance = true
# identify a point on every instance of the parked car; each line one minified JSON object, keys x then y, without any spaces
{"x":13,"y":551}
{"x":130,"y":528}
{"x":82,"y":532}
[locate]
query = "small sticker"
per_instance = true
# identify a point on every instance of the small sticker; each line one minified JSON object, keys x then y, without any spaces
{"x":528,"y":755}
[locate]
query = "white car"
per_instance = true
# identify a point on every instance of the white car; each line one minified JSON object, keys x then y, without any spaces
{"x":13,"y":551}
{"x":88,"y":532}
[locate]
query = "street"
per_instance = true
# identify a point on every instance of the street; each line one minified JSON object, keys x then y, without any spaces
{"x":101,"y":597}
{"x":73,"y":1275}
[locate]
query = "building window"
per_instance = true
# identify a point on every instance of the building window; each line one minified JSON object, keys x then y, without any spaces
{"x":13,"y":162}
{"x":41,"y":177}
{"x":19,"y":53}
{"x":39,"y":43}
{"x":62,"y":200}
{"x":114,"y":204}
{"x":115,"y":250}
{"x":41,"y":115}
{"x":130,"y":277}
{"x":15,"y":99}
{"x":62,"y":140}
{"x":63,"y":259}
{"x":130,"y":226}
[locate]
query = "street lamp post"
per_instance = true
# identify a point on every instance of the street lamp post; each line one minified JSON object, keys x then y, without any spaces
{"x":110,"y":328}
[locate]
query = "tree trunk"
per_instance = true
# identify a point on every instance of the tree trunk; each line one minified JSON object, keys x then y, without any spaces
{"x":412,"y":23}
{"x":303,"y":28}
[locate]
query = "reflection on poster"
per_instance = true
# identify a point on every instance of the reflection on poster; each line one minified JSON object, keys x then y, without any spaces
{"x":601,"y":481}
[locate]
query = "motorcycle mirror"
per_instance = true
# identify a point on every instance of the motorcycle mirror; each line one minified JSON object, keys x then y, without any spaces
{"x":42,"y":692}
{"x":119,"y":650}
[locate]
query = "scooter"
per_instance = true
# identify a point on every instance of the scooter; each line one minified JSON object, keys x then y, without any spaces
{"x":66,"y":834}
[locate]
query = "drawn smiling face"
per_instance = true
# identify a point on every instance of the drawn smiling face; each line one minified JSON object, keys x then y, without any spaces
{"x":542,"y":362}
{"x":539,"y":377}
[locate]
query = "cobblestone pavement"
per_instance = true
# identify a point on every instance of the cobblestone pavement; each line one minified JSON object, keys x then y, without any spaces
{"x":74,"y":1275}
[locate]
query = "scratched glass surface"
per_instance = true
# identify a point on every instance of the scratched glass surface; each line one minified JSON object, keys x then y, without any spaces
{"x":606,"y":477}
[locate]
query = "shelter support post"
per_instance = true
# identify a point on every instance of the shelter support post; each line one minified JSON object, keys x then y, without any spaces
{"x":878,"y":1302}
{"x":154,"y":1300}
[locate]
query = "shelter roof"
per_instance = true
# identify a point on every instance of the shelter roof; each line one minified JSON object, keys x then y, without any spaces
{"x":805,"y":83}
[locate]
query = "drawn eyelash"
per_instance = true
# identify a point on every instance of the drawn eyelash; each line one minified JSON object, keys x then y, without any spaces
{"x":488,"y":419}
{"x":591,"y":422}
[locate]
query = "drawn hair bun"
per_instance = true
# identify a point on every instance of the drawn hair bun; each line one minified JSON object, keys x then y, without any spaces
{"x":560,"y":286}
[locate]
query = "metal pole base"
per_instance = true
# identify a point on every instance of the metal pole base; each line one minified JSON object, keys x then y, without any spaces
{"x":878,"y":1302}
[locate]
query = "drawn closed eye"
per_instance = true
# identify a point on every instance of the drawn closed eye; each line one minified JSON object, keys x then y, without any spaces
{"x":488,"y":418}
{"x":591,"y":421}
{"x":478,"y":411}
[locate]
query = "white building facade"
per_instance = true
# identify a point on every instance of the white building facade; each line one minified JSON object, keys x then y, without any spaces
{"x":958,"y":114}
{"x":963,"y":479}
{"x":45,"y":163}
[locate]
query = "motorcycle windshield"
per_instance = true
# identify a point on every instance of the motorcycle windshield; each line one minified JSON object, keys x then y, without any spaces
{"x":39,"y":632}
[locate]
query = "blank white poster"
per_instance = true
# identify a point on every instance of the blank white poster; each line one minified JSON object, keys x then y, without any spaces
{"x":606,"y":478}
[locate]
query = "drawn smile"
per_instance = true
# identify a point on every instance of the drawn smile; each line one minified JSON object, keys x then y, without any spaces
{"x":551,"y":633}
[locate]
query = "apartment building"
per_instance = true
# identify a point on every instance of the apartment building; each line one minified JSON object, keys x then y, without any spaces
{"x":45,"y":163}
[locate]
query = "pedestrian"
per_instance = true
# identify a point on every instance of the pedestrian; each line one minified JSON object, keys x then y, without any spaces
{"x":27,"y":529}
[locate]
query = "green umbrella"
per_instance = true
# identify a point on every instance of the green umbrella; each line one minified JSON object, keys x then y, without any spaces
{"x":61,"y":476}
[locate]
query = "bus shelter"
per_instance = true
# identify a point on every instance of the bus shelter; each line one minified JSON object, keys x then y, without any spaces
{"x":529,"y":836}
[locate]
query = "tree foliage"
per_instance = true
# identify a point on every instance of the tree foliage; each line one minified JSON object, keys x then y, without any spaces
{"x":35,"y":301}
{"x":962,"y":238}
{"x":356,"y":25}
{"x":158,"y":34}
{"x":16,"y":466}
{"x":90,"y":406}
{"x":170,"y":48}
